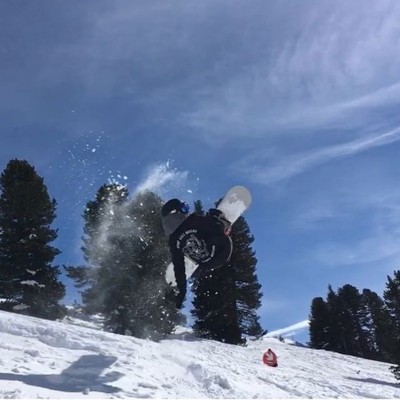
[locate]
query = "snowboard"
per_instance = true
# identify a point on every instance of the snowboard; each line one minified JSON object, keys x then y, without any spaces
{"x":235,"y":202}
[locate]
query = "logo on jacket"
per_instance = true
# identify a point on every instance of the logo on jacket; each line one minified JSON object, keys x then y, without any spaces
{"x":196,"y":249}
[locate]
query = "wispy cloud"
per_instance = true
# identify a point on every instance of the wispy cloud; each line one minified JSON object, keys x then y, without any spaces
{"x":269,"y":171}
{"x":225,"y":69}
{"x":312,"y":216}
{"x":354,"y":219}
{"x":374,"y":248}
{"x":319,"y":71}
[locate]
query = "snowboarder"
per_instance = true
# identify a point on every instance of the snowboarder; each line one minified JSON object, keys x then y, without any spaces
{"x":203,"y":239}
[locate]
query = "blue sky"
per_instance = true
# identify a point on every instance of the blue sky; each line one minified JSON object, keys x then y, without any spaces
{"x":299,"y":101}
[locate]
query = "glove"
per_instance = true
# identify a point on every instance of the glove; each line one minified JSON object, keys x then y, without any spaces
{"x":214,"y":212}
{"x":179,"y":299}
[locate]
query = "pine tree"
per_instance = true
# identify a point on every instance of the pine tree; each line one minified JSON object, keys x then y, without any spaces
{"x":100,"y":248}
{"x":319,"y":324}
{"x":375,"y":320}
{"x":28,"y":281}
{"x":126,"y":252}
{"x":354,"y":337}
{"x":354,"y":323}
{"x":198,"y":207}
{"x":392,"y":300}
{"x":226,"y":299}
{"x":215,"y":308}
{"x":334,"y":332}
{"x":248,"y":289}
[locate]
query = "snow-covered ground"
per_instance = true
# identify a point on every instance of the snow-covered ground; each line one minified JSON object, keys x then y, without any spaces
{"x":43,"y":359}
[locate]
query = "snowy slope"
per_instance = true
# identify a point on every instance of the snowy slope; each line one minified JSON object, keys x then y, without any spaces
{"x":43,"y":359}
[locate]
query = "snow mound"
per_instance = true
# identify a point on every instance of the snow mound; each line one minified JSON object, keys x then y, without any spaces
{"x":45,"y":359}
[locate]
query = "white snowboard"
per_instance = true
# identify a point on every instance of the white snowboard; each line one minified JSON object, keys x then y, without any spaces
{"x":236,"y":201}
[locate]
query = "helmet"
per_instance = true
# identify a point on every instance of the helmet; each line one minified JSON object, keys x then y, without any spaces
{"x":174,"y":206}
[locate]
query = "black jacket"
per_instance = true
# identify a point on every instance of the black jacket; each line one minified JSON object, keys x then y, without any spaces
{"x":200,"y":238}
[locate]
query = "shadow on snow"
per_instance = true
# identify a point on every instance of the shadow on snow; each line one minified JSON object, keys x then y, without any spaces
{"x":377,"y":381}
{"x":82,"y":375}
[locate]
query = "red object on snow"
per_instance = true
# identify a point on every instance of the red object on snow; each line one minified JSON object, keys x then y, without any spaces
{"x":270,"y":358}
